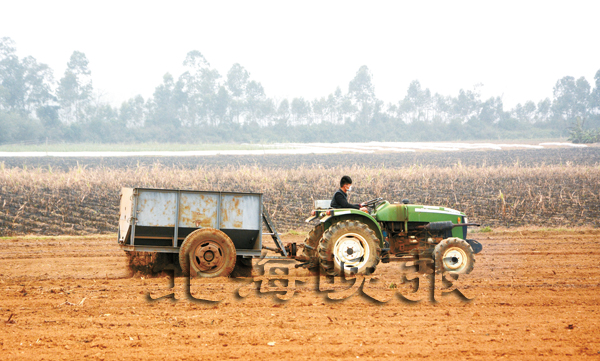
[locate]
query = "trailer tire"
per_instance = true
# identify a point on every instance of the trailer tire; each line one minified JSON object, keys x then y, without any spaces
{"x":453,"y":255}
{"x":345,"y":239}
{"x":207,"y":253}
{"x":312,"y":240}
{"x":244,"y":262}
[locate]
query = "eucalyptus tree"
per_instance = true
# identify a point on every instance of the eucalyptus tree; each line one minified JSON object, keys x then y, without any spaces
{"x":492,"y":112}
{"x":594,"y":103}
{"x":200,"y":85}
{"x":362,"y":93}
{"x":221,"y":109}
{"x":132,"y":113}
{"x":25,"y":84}
{"x":320,"y":110}
{"x":334,"y":106}
{"x":417,"y":105}
{"x":259,"y":107}
{"x":466,"y":106}
{"x":75,"y":89}
{"x":571,"y":99}
{"x":544,"y":110}
{"x":301,"y":111}
{"x":165,"y":107}
{"x":237,"y":84}
{"x":283,"y":113}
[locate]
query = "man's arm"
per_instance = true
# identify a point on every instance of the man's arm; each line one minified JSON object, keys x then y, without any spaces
{"x":343,"y":202}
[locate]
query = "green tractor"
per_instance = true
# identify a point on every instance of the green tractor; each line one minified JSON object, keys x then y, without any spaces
{"x":356,"y":241}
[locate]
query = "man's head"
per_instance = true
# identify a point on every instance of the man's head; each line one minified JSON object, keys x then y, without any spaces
{"x":345,"y":183}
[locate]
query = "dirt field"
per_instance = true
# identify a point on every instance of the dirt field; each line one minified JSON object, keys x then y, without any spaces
{"x":535,"y":295}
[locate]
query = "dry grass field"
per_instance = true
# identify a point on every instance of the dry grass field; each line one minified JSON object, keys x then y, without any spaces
{"x":541,"y":187}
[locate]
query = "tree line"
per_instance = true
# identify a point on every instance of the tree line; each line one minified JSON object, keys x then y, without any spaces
{"x":201,"y":105}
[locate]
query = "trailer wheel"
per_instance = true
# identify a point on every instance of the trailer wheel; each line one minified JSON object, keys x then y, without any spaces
{"x":453,"y":255}
{"x":207,"y":253}
{"x":312,"y":240}
{"x":352,"y":243}
{"x":246,"y":262}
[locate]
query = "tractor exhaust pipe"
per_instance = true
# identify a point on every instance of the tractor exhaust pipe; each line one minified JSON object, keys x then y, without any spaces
{"x":445,"y":226}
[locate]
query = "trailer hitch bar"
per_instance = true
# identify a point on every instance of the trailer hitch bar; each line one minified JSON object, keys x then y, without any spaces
{"x":276,"y":250}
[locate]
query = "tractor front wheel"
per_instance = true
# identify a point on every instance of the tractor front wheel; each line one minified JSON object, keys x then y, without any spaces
{"x":453,"y":255}
{"x":207,"y":253}
{"x":352,"y":244}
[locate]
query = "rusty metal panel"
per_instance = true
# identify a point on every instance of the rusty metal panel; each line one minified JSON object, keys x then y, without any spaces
{"x":125,"y":212}
{"x":156,"y":208}
{"x":198,"y":209}
{"x":163,"y":213}
{"x":241,"y":211}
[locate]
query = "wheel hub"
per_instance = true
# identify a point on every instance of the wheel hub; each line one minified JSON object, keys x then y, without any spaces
{"x":208,"y":256}
{"x":454,"y":259}
{"x":351,"y":249}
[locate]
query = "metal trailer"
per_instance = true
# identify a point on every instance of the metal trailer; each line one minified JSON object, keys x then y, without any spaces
{"x":208,"y":230}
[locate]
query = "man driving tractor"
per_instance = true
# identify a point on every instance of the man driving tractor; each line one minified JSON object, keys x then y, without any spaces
{"x":340,"y":198}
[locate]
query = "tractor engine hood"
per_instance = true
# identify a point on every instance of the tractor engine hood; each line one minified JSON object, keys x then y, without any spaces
{"x":396,"y":212}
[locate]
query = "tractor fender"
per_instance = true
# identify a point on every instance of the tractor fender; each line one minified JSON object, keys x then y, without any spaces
{"x":343,"y":215}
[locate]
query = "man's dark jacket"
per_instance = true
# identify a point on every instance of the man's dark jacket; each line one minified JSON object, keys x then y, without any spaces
{"x":340,"y":200}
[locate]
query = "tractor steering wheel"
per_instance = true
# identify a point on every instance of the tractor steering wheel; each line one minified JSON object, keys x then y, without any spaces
{"x":372,"y":203}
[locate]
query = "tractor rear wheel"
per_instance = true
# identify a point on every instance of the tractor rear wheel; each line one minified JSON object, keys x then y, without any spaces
{"x":453,"y":255}
{"x":207,"y":253}
{"x":352,"y":243}
{"x":312,"y":240}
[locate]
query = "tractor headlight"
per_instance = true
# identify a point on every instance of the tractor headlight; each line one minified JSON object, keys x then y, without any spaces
{"x":466,"y":220}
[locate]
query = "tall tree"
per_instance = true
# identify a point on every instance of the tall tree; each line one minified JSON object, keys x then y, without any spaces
{"x":283,"y":112}
{"x":25,"y":84}
{"x":594,"y":102}
{"x":571,"y":98}
{"x":300,"y":110}
{"x":221,"y":107}
{"x":362,"y":93}
{"x":166,"y":104}
{"x":237,"y":83}
{"x":417,"y":105}
{"x":132,"y":113}
{"x":334,"y":105}
{"x":544,"y":110}
{"x":201,"y":87}
{"x":256,"y":103}
{"x":75,"y":89}
{"x":595,"y":97}
{"x":467,"y":104}
{"x":320,"y":110}
{"x":492,"y":111}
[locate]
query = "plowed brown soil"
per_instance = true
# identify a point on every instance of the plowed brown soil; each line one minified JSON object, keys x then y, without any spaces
{"x":535,"y":296}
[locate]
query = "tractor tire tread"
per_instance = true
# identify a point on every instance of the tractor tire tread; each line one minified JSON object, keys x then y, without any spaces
{"x":325,"y":249}
{"x":449,"y":243}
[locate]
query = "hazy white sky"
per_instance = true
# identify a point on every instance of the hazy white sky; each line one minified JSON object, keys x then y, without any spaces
{"x":516,"y":49}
